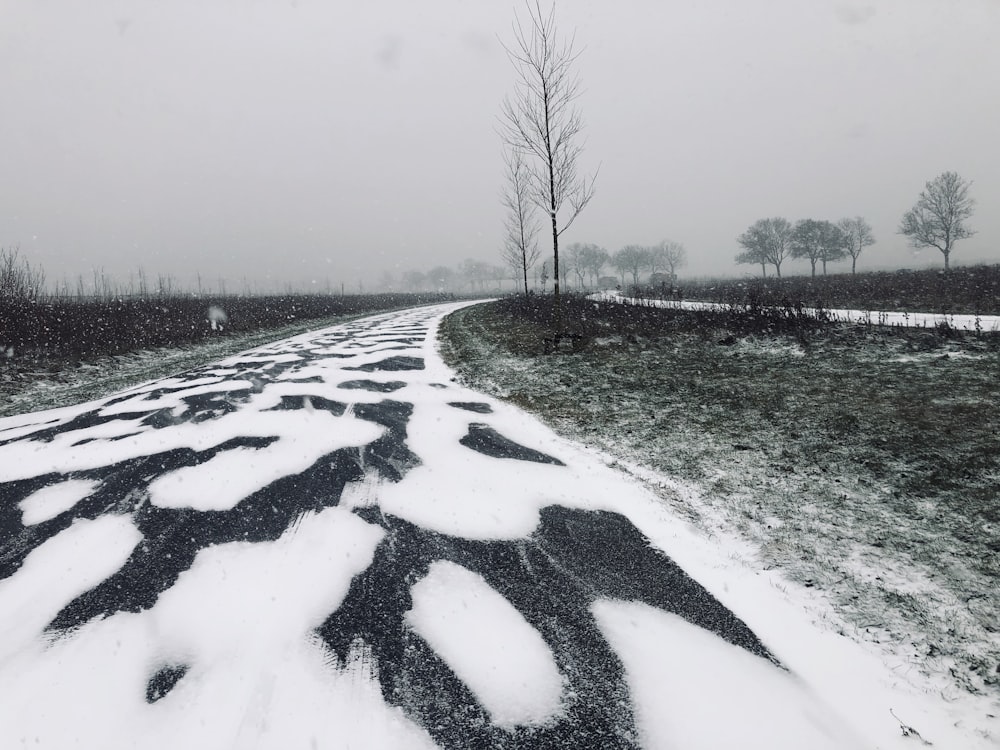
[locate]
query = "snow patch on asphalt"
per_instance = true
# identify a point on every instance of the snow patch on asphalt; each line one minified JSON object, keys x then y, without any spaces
{"x":488,"y":644}
{"x":70,"y":563}
{"x":49,"y":502}
{"x":225,"y":479}
{"x":314,"y":434}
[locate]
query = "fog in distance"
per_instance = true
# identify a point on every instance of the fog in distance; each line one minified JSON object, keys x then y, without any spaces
{"x":314,"y":143}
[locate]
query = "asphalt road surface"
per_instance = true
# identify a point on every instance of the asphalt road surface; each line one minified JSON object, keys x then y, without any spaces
{"x":326,"y":542}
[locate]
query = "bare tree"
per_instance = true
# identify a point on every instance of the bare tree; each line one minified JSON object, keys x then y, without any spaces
{"x":541,"y":121}
{"x":857,"y":236}
{"x":766,"y":241}
{"x":669,"y":255}
{"x":819,"y":241}
{"x":594,"y":258}
{"x":633,"y":259}
{"x":806,"y":240}
{"x":751,"y":256}
{"x":565,"y":267}
{"x":520,"y":244}
{"x":938,"y":218}
{"x":578,"y":261}
{"x":833,"y":244}
{"x":620,"y":264}
{"x":587,"y":260}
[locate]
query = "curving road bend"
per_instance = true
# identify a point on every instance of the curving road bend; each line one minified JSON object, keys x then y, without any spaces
{"x":326,"y":542}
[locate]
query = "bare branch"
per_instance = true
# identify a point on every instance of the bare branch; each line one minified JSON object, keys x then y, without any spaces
{"x":540,"y":122}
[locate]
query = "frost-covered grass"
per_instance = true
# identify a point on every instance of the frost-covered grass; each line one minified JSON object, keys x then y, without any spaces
{"x":860,"y":462}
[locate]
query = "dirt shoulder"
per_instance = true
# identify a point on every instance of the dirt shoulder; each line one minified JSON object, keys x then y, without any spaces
{"x":860,"y":462}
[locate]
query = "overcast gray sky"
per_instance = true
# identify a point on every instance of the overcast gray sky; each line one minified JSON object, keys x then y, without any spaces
{"x":300,"y":140}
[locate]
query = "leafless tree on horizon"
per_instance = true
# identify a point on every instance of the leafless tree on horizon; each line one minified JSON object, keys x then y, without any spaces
{"x":632,"y":259}
{"x":938,"y":217}
{"x":766,"y":241}
{"x":818,"y":241}
{"x":520,"y":244}
{"x":858,"y":235}
{"x":540,"y":121}
{"x":670,"y":255}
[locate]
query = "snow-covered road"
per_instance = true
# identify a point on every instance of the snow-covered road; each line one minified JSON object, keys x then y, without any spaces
{"x":326,"y":542}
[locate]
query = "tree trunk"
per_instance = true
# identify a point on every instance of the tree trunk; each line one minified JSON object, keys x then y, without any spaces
{"x":813,"y":262}
{"x":555,"y":266}
{"x":854,"y":263}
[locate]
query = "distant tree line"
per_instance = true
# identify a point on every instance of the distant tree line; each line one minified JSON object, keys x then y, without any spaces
{"x":583,"y":265}
{"x":468,"y":277}
{"x":938,"y":219}
{"x":770,"y":241}
{"x":662,"y":261}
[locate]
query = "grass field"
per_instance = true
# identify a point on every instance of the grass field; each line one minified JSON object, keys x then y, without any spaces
{"x":864,"y":463}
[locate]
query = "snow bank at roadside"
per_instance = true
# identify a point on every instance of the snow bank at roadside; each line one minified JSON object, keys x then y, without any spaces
{"x":691,"y":691}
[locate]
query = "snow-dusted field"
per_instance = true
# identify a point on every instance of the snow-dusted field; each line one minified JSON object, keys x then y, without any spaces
{"x":327,"y":542}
